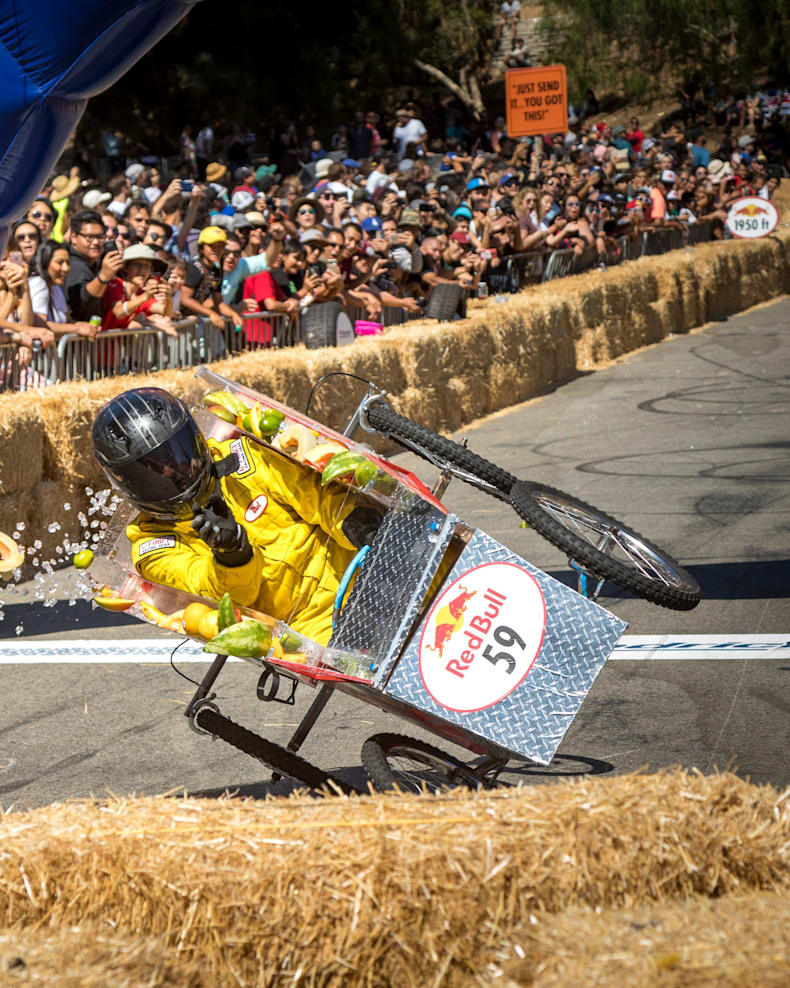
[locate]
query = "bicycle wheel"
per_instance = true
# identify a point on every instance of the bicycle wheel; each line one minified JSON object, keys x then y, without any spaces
{"x":393,"y":761}
{"x":443,"y":453}
{"x":604,"y":546}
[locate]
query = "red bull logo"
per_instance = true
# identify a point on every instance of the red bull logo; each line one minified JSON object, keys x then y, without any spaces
{"x":450,"y":619}
{"x":751,"y":210}
{"x":482,"y":635}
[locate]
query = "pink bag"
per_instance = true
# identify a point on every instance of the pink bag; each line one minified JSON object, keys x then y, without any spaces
{"x":364,"y":328}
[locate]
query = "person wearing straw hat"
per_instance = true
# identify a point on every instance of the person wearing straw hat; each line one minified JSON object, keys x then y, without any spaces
{"x":139,"y":291}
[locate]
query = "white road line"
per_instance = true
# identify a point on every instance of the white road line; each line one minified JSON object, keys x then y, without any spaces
{"x":702,"y":647}
{"x":631,"y":648}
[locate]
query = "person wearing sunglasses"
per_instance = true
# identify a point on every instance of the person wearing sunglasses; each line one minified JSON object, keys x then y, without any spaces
{"x":25,"y":238}
{"x":306,"y":213}
{"x":91,"y":270}
{"x":157,"y":236}
{"x":42,"y":213}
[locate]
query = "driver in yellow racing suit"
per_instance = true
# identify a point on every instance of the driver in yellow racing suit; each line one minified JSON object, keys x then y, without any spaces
{"x":228,"y":516}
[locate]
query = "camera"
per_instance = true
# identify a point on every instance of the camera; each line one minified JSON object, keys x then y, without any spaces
{"x":317,"y":269}
{"x":187,"y":185}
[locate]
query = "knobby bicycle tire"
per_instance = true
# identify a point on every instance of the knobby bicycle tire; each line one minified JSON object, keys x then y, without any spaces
{"x":377,"y":749}
{"x":418,"y":438}
{"x":274,"y":756}
{"x":681,"y":593}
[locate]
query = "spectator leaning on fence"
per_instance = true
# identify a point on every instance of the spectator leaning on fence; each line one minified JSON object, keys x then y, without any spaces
{"x":202,"y":291}
{"x":139,"y":294}
{"x":90,"y":270}
{"x":46,"y":291}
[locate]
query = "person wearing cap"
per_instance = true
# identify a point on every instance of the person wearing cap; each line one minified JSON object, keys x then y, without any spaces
{"x":658,"y":196}
{"x":478,"y":199}
{"x":138,"y":292}
{"x":202,"y":291}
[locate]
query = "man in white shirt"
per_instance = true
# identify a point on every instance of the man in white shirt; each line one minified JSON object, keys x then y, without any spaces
{"x":409,"y":130}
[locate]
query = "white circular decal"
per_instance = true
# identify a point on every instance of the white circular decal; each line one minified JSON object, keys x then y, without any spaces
{"x":256,"y":507}
{"x":482,"y":636}
{"x":752,"y":216}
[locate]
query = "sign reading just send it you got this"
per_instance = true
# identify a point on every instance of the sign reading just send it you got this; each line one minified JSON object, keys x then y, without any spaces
{"x":536,"y":101}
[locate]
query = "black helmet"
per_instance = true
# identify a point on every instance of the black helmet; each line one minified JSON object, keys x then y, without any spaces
{"x":149,"y":446}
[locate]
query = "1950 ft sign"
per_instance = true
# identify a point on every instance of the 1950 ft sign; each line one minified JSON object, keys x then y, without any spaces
{"x":481,"y":637}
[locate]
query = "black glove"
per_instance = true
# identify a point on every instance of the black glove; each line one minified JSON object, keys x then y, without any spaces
{"x":360,"y":526}
{"x":215,"y":524}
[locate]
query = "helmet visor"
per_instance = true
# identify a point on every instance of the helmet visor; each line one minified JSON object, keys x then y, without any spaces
{"x":166,"y":479}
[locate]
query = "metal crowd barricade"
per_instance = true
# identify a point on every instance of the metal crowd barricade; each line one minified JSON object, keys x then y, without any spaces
{"x":113,"y":352}
{"x":700,"y":232}
{"x":15,"y":375}
{"x":188,"y":347}
{"x":524,"y":269}
{"x":586,"y":260}
{"x":266,"y":330}
{"x":559,"y":265}
{"x":10,"y":371}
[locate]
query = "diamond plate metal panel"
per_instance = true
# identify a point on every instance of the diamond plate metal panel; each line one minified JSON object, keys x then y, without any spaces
{"x":403,"y":559}
{"x":532,"y":720}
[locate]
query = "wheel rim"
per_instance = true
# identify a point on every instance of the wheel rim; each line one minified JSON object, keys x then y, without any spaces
{"x":419,"y":771}
{"x":611,"y":540}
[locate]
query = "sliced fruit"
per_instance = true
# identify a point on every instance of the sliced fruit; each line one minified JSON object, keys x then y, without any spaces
{"x":83,"y":559}
{"x":290,"y":642}
{"x":384,"y":482}
{"x":296,"y":440}
{"x":277,"y":649}
{"x":193,"y":615}
{"x":11,"y":556}
{"x":342,"y":465}
{"x":222,"y":413}
{"x":110,"y":600}
{"x":365,"y":472}
{"x":228,"y":614}
{"x":248,"y":639}
{"x":154,"y":615}
{"x":227,"y":400}
{"x":298,"y":658}
{"x":321,"y":454}
{"x":250,"y":420}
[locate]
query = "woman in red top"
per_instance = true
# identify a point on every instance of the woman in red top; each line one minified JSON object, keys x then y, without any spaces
{"x":139,"y":291}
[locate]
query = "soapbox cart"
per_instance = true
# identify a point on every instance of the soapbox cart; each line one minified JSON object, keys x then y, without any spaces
{"x":435,"y":621}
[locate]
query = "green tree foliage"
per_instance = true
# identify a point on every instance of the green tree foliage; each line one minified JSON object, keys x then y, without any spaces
{"x":630,"y":42}
{"x":245,"y":61}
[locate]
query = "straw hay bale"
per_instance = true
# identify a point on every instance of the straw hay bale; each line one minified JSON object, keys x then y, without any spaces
{"x":92,"y":956}
{"x":732,"y":942}
{"x":20,"y":429}
{"x":387,"y":890}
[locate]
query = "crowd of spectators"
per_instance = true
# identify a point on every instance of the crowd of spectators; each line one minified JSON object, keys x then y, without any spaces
{"x":376,"y":220}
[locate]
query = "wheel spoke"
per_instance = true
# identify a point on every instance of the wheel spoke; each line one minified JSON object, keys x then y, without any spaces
{"x":603,"y":536}
{"x":415,"y":771}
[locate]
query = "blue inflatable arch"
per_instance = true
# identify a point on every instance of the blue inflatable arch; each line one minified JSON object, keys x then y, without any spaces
{"x":55,"y":55}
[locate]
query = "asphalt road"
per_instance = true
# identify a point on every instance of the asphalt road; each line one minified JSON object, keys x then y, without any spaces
{"x":686,"y":441}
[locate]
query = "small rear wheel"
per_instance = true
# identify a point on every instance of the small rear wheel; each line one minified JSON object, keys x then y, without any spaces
{"x":396,"y":762}
{"x":605,"y":546}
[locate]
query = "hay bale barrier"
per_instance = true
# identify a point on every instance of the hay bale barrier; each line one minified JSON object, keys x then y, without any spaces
{"x":442,"y":375}
{"x":459,"y":889}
